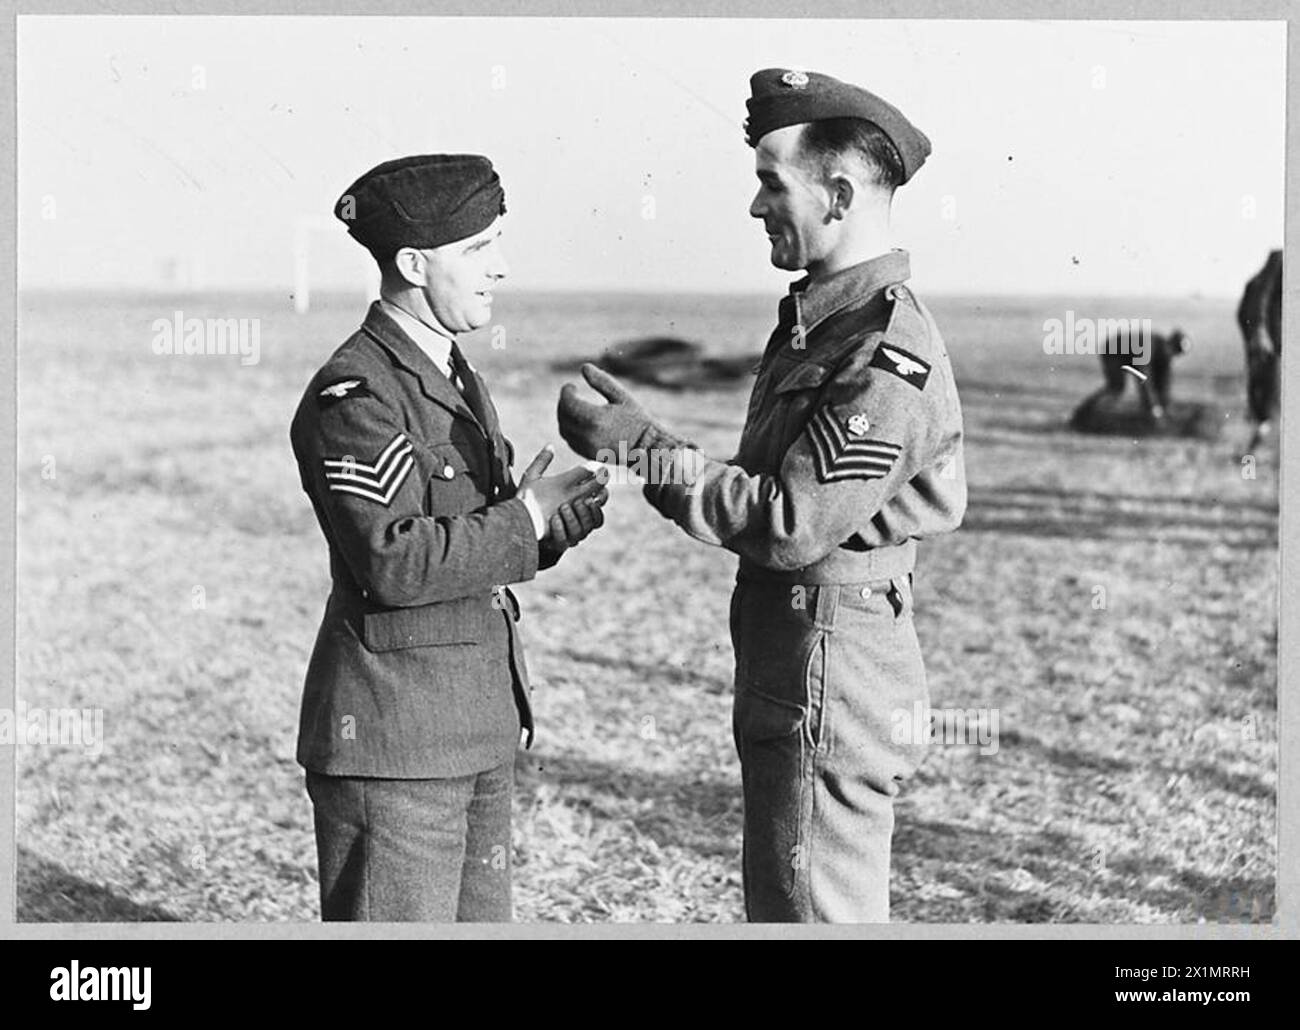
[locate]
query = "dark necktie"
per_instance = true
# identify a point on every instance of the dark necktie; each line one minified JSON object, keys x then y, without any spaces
{"x":472,"y":392}
{"x":481,"y":408}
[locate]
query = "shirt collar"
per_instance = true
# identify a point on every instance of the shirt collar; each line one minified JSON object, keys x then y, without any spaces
{"x":817,"y":300}
{"x":433,"y":343}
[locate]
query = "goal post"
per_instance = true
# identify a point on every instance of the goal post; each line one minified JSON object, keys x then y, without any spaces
{"x":307,"y":228}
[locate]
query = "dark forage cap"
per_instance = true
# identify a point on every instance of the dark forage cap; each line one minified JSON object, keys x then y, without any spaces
{"x":782,"y":96}
{"x":424,"y":201}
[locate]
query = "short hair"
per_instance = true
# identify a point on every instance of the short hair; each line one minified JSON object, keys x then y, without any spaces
{"x":823,"y":142}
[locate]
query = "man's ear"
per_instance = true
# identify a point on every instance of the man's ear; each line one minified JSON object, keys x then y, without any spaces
{"x":411,"y":265}
{"x":842,"y":190}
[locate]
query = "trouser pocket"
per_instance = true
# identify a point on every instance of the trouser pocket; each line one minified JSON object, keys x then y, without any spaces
{"x":816,"y":693}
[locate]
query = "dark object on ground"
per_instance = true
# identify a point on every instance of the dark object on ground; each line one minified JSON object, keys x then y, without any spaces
{"x":1106,"y":413}
{"x":1259,"y":315}
{"x":673,"y":364}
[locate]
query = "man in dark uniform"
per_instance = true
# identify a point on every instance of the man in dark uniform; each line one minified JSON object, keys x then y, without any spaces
{"x":1259,"y":316}
{"x":417,"y":689}
{"x":851,"y":452}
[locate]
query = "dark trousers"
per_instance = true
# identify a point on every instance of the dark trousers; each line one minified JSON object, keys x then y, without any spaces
{"x":434,"y":851}
{"x":827,"y":682}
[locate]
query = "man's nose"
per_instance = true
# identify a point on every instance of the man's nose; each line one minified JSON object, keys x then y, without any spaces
{"x":757,"y":209}
{"x":499,"y":269}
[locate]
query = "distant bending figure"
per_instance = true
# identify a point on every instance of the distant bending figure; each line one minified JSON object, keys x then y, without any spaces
{"x":1153,"y":378}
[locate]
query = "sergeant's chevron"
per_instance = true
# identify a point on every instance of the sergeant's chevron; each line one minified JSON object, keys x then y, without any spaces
{"x":840,"y":455}
{"x":378,"y":482}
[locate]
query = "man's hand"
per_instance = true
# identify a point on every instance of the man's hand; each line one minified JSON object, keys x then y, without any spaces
{"x":579,"y":489}
{"x":594,"y":428}
{"x":573,"y":523}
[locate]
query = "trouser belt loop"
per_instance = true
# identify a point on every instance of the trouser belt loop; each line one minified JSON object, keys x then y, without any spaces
{"x":828,"y":597}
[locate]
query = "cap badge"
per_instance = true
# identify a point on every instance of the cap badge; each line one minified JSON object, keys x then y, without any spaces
{"x":795,"y":80}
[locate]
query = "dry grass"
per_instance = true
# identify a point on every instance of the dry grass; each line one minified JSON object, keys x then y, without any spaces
{"x":1124,"y":788}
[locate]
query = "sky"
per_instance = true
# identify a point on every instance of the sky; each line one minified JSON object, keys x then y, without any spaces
{"x":1069,"y":157}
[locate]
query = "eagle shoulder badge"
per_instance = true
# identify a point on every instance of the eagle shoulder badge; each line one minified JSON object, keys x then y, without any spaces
{"x":353,"y":386}
{"x":904,"y":364}
{"x":842,"y":450}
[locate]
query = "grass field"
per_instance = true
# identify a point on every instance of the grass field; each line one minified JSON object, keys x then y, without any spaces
{"x":171,"y":574}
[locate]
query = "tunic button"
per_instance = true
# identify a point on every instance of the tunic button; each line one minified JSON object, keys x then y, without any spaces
{"x":865,"y":593}
{"x":448,"y":472}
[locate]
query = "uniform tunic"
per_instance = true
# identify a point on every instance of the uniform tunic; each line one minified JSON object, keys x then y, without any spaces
{"x":851,"y":452}
{"x":417,"y":670}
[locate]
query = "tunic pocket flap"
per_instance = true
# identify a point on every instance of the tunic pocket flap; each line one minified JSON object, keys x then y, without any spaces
{"x":448,"y":622}
{"x":448,"y":461}
{"x":804,"y":376}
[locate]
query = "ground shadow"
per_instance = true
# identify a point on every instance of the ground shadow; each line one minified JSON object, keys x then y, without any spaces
{"x":1206,"y":774}
{"x":971,"y":872}
{"x":701,"y":814}
{"x":48,"y":893}
{"x":977,"y":872}
{"x":1049,"y":512}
